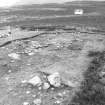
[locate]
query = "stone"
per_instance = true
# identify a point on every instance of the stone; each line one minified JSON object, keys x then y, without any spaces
{"x":60,"y":94}
{"x":23,"y":81}
{"x":46,"y":85}
{"x":28,"y":50}
{"x":36,"y":80}
{"x":37,"y":101}
{"x":57,"y":102}
{"x":40,"y":88}
{"x":14,"y":56}
{"x":31,"y":53}
{"x":28,"y":92}
{"x":9,"y":71}
{"x":25,"y":103}
{"x":35,"y":44}
{"x":34,"y":95}
{"x":52,"y":88}
{"x":102,"y":74}
{"x":102,"y":77}
{"x":54,"y":79}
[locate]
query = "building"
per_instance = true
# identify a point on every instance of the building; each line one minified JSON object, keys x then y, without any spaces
{"x":78,"y":11}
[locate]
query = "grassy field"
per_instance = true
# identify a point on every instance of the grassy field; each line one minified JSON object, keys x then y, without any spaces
{"x":45,"y":14}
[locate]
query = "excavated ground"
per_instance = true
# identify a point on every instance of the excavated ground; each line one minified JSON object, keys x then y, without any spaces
{"x":64,"y":52}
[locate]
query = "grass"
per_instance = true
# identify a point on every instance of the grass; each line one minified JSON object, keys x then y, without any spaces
{"x":92,"y":90}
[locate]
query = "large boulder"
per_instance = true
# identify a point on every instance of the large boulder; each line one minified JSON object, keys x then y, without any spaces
{"x":55,"y":79}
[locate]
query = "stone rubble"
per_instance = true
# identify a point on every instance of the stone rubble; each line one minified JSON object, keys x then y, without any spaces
{"x":28,"y":50}
{"x":31,"y":50}
{"x":14,"y":56}
{"x":35,"y":44}
{"x":57,"y":102}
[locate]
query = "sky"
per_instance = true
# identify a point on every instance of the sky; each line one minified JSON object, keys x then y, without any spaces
{"x":50,"y":1}
{"x":9,"y":3}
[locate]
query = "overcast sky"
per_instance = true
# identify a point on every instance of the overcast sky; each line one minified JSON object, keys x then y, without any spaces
{"x":9,"y":3}
{"x":50,"y":1}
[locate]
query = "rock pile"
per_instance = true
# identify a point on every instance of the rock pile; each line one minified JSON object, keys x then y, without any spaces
{"x":51,"y":80}
{"x":32,"y":47}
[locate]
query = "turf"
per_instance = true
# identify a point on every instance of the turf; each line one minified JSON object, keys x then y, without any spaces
{"x":92,"y":90}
